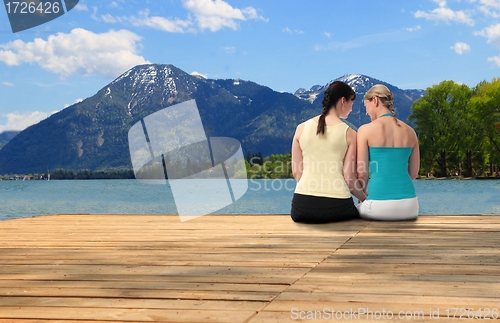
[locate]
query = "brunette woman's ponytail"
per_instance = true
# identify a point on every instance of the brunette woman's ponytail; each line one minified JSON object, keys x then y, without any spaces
{"x":335,"y":91}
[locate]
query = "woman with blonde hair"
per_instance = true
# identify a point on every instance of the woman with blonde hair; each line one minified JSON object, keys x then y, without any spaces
{"x":387,"y":152}
{"x":324,"y":162}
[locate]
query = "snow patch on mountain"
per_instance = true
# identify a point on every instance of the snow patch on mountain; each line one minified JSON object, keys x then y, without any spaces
{"x":148,"y":79}
{"x":360,"y":84}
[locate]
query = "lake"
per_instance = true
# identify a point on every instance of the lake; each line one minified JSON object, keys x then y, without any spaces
{"x":20,"y":199}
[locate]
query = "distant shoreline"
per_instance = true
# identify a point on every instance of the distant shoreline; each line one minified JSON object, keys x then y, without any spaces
{"x":20,"y":178}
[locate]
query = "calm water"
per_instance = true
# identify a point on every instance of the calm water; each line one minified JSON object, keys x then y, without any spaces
{"x":31,"y":198}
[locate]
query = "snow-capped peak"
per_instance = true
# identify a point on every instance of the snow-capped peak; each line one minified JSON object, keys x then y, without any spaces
{"x":347,"y":78}
{"x":148,"y":77}
{"x":199,"y":75}
{"x":360,"y":83}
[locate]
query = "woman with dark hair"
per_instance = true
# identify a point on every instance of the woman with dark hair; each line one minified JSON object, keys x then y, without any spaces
{"x":324,"y":162}
{"x":389,"y":155}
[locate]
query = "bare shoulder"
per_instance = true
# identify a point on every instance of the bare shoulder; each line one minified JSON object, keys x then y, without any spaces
{"x":350,"y":131}
{"x":298,"y":130}
{"x":351,"y":134}
{"x":407,"y":127}
{"x":301,"y":125}
{"x":409,"y":131}
{"x":364,"y":129}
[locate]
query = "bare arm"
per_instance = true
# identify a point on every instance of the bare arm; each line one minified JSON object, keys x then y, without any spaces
{"x":297,"y":160}
{"x":414,"y":161}
{"x":350,"y":172}
{"x":362,"y":158}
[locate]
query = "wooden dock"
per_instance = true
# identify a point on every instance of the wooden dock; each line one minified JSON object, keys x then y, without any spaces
{"x":221,"y":268}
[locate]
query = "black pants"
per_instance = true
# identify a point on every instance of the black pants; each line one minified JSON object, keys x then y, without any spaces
{"x":317,"y":209}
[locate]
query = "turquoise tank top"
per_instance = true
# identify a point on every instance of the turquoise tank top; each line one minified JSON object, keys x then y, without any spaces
{"x":389,"y":177}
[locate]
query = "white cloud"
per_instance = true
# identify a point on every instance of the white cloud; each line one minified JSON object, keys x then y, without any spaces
{"x":492,"y":33}
{"x":199,"y":75}
{"x":94,"y":13}
{"x":490,"y":8}
{"x":107,"y":18}
{"x":217,"y":14}
{"x":8,"y":83}
{"x":412,"y":29}
{"x":81,"y":7}
{"x":20,"y":121}
{"x":160,"y":23}
{"x":295,"y":31}
{"x":495,"y":4}
{"x":363,"y":41}
{"x":206,"y":14}
{"x":327,"y":34}
{"x":76,"y":101}
{"x":80,"y":52}
{"x":114,"y":4}
{"x":461,"y":48}
{"x":495,"y":59}
{"x":319,"y":47}
{"x":441,"y":3}
{"x":155,"y":22}
{"x":445,"y":14}
{"x":229,"y":49}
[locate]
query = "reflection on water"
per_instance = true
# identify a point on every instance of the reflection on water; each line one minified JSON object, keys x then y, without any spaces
{"x":31,"y":198}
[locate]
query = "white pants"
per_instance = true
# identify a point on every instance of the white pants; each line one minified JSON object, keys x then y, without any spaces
{"x":389,"y":210}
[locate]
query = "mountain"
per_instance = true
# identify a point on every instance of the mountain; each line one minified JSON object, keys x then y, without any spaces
{"x":93,"y":134}
{"x":6,"y":136}
{"x":403,"y":99}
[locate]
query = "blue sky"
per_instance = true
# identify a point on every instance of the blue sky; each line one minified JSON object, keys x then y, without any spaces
{"x":282,"y":44}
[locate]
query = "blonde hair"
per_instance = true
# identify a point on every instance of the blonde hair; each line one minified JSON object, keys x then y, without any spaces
{"x":384,"y":94}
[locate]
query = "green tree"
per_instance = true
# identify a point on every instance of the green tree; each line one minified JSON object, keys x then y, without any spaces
{"x":437,"y":122}
{"x":486,"y":103}
{"x":466,"y":127}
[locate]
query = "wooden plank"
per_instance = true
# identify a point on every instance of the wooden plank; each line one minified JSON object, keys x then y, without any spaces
{"x":152,"y":303}
{"x":287,"y":301}
{"x":225,"y":279}
{"x":230,"y":295}
{"x":153,"y":270}
{"x":125,"y":314}
{"x":392,"y":269}
{"x":245,"y":263}
{"x":399,"y":288}
{"x":143,"y":285}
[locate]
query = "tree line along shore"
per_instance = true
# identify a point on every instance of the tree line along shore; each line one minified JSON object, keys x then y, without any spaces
{"x":276,"y":166}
